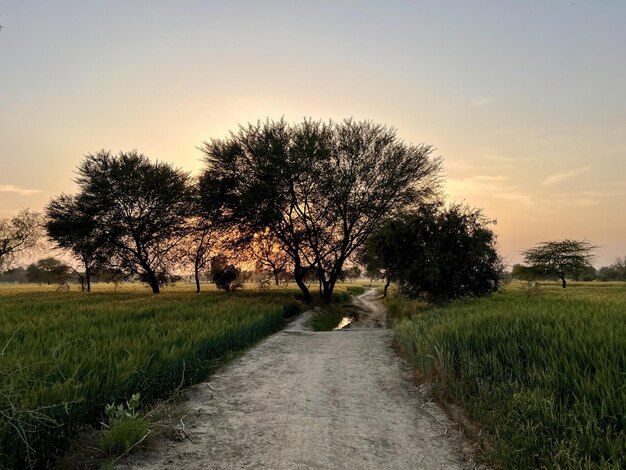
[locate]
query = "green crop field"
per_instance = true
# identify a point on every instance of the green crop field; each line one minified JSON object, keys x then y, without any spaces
{"x":65,"y":355}
{"x":543,"y":372}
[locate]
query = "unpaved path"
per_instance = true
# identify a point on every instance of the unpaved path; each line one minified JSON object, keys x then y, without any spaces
{"x":302,"y":399}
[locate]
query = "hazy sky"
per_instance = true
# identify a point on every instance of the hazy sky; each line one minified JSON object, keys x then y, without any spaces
{"x":525,"y":100}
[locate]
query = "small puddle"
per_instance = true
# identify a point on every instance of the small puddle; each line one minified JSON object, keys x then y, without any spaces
{"x":345,"y":321}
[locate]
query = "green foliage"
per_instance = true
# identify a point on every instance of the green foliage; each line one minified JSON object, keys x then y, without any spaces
{"x":73,"y":228}
{"x":120,"y":412}
{"x":560,"y":258}
{"x":133,"y":210}
{"x":126,"y":428}
{"x":326,"y":320}
{"x":355,"y":290}
{"x":48,"y":271}
{"x":123,"y":435}
{"x":68,"y":355}
{"x":437,"y":253}
{"x":544,"y":375}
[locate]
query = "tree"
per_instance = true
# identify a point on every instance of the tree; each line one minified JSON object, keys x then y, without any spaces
{"x":525,"y":273}
{"x":199,"y":246}
{"x":202,"y":239}
{"x":560,"y":258}
{"x":18,"y":235}
{"x":72,"y":227}
{"x":437,"y":253}
{"x":320,"y":188}
{"x":139,"y":210}
{"x":269,"y":257}
{"x":48,"y":271}
{"x":614,"y":272}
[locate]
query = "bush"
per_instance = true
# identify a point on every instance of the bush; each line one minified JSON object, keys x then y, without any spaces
{"x":226,"y":276}
{"x":122,"y":436}
{"x":437,"y":253}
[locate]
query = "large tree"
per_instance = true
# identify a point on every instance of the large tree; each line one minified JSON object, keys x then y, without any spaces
{"x":437,"y":253}
{"x":560,"y":258}
{"x":320,"y":188}
{"x":139,"y":209}
{"x":18,"y":235}
{"x":72,"y":227}
{"x":49,"y":271}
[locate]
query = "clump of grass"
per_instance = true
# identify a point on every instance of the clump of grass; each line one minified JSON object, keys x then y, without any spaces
{"x":325,"y":320}
{"x":123,"y":436}
{"x":355,"y":290}
{"x":126,"y":427}
{"x":544,"y":375}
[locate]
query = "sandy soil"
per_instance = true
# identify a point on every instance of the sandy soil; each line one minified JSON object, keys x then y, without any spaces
{"x":303,"y":399}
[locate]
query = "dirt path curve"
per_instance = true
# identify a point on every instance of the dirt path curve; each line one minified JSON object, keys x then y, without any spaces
{"x":301,"y":399}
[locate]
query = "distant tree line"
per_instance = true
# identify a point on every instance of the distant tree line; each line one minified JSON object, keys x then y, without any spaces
{"x":311,"y":202}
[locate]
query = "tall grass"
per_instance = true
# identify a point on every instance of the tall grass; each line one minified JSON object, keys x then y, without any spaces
{"x":66,"y":355}
{"x":545,"y":374}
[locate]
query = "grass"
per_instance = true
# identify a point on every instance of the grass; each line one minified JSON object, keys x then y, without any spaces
{"x":328,"y":318}
{"x":65,"y":355}
{"x":544,"y":373}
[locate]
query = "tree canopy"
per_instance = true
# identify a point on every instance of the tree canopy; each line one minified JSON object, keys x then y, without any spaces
{"x":320,"y":188}
{"x":437,"y":253}
{"x":73,"y":227}
{"x":48,"y":271}
{"x":560,"y":258}
{"x":138,"y":208}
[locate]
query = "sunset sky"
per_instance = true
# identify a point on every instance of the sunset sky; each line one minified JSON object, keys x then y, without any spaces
{"x":525,"y":100}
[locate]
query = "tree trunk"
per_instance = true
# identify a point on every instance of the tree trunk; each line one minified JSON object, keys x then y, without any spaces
{"x":386,"y":287}
{"x":88,"y":278}
{"x":153,"y":282}
{"x":563,"y":282}
{"x":297,"y":274}
{"x":82,"y":284}
{"x":197,"y":276}
{"x":276,"y":280}
{"x":329,"y":286}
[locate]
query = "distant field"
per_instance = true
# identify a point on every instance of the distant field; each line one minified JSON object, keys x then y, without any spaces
{"x":65,"y":355}
{"x":544,"y":372}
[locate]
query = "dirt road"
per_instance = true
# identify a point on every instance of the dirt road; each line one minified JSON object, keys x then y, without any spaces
{"x":302,"y":399}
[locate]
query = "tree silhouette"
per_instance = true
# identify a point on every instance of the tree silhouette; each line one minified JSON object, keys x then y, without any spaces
{"x":138,"y":210}
{"x":560,"y":258}
{"x":320,"y":188}
{"x":437,"y":253}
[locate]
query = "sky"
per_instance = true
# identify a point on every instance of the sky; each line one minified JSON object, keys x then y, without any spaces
{"x":525,"y":101}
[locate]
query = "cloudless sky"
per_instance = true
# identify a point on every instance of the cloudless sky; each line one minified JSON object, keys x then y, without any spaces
{"x":525,"y":100}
